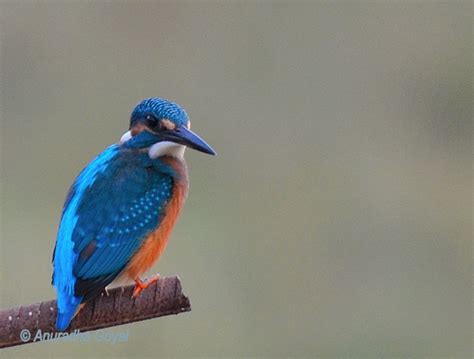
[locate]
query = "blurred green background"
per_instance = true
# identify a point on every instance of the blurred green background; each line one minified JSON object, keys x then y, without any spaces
{"x":335,"y":220}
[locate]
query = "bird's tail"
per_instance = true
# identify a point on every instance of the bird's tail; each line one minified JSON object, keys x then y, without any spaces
{"x":67,"y":309}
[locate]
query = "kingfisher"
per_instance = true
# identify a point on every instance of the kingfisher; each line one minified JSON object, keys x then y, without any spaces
{"x":120,"y":210}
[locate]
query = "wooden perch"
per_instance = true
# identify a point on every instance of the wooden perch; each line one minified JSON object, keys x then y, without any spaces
{"x":164,"y":297}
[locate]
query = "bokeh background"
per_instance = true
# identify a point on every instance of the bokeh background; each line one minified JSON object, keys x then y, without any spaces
{"x":336,"y":219}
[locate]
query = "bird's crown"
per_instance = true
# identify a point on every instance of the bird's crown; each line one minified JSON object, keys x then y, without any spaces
{"x":159,"y":109}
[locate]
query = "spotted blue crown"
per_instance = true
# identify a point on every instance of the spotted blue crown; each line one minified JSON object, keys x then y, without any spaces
{"x":160,"y":108}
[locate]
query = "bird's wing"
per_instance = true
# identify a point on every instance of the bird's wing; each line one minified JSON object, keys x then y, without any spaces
{"x":107,"y":216}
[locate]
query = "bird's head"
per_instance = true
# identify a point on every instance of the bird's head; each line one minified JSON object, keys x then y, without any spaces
{"x":163,"y":127}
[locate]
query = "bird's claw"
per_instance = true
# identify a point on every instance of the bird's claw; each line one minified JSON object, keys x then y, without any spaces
{"x":140,"y":285}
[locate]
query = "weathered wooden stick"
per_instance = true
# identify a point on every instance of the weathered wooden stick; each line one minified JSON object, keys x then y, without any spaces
{"x":18,"y":325}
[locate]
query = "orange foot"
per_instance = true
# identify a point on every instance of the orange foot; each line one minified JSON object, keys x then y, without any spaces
{"x":140,"y":285}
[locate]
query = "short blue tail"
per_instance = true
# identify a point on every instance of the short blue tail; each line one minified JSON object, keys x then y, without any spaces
{"x":67,"y":308}
{"x":63,"y":320}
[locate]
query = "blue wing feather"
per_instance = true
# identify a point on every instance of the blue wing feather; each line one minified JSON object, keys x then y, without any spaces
{"x":115,"y":202}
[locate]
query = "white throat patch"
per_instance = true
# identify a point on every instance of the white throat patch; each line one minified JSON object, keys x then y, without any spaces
{"x":165,"y":148}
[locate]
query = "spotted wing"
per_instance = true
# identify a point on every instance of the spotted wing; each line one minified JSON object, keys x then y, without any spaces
{"x":113,"y":216}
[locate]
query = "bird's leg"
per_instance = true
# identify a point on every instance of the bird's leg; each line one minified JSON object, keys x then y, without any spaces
{"x":140,"y":285}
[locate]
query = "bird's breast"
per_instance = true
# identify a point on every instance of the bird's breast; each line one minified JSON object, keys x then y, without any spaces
{"x":155,"y":242}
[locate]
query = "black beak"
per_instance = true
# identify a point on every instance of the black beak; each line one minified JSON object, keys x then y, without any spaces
{"x":186,"y":137}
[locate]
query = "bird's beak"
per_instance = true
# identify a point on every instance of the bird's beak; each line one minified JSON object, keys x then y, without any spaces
{"x":186,"y":137}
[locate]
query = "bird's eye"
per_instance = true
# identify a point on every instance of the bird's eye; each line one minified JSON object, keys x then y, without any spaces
{"x":151,"y":121}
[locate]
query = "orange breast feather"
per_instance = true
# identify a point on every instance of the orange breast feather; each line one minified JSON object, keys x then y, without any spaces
{"x":155,"y":243}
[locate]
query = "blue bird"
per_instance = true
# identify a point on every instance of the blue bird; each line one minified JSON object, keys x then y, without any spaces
{"x":120,"y":210}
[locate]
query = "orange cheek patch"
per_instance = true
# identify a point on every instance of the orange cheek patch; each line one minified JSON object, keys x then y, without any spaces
{"x":135,"y":130}
{"x":169,"y":125}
